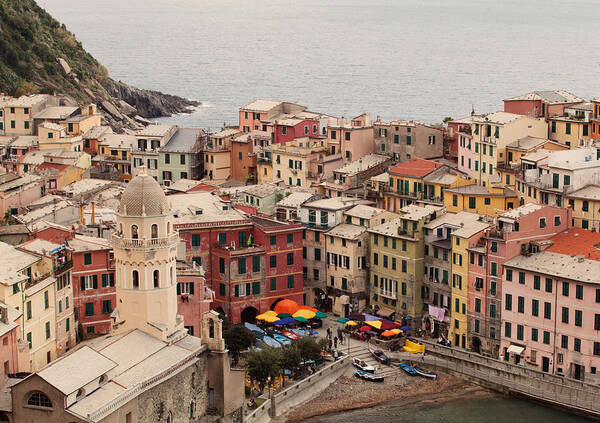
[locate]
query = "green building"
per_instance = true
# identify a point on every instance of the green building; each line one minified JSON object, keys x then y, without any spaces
{"x":180,"y":157}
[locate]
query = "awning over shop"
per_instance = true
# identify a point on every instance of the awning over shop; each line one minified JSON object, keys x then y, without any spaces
{"x":515,"y":349}
{"x":385,"y":312}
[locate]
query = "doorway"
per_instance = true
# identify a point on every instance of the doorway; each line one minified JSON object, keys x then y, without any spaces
{"x":545,"y":364}
{"x":476,"y":345}
{"x":577,"y":371}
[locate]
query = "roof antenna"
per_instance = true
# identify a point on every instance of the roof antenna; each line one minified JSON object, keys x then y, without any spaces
{"x":472,"y":110}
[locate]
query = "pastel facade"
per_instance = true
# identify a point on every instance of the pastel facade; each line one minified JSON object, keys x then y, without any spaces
{"x":296,"y":162}
{"x":403,"y":140}
{"x":18,"y":192}
{"x":149,"y":140}
{"x":243,"y":159}
{"x":18,"y":113}
{"x":114,"y":151}
{"x":490,"y":200}
{"x":572,"y":131}
{"x":541,"y":104}
{"x":181,"y":158}
{"x":349,"y":180}
{"x":352,"y":138}
{"x":492,"y":133}
{"x":255,"y":116}
{"x":522,"y":229}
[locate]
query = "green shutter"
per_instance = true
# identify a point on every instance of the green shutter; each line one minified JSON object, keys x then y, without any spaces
{"x":178,"y":289}
{"x":255,"y":288}
{"x":236,"y":291}
{"x":95,"y":281}
{"x":82,"y":279}
{"x":104,"y":280}
{"x":222,"y":289}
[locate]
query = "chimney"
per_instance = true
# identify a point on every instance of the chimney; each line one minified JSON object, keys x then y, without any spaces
{"x":3,"y":313}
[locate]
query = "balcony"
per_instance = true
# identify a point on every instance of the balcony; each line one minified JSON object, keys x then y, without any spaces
{"x":143,"y":243}
{"x":61,"y":268}
{"x":11,"y":158}
{"x":313,"y":225}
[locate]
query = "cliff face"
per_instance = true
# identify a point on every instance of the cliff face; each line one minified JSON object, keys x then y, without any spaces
{"x":39,"y":55}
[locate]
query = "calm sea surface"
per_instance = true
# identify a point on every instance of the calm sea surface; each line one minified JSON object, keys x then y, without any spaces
{"x":488,"y":410}
{"x":421,"y":59}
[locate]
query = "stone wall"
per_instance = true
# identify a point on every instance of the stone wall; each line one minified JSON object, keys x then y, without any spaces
{"x":175,"y":395}
{"x":509,"y":378}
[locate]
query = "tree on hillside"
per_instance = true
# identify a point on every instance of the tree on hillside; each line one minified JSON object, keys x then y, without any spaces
{"x":308,"y":348}
{"x":290,"y":356}
{"x":238,"y":338}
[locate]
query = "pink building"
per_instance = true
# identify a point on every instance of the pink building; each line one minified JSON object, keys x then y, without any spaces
{"x":18,"y":192}
{"x":353,"y":139}
{"x":520,"y":229}
{"x":193,"y":298}
{"x":541,"y":103}
{"x":461,"y":147}
{"x":9,"y":326}
{"x":289,"y":129}
{"x":551,"y":313}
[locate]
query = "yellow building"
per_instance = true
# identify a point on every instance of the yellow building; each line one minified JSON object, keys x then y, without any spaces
{"x":53,"y":135}
{"x":295,"y":162}
{"x":114,"y":150}
{"x":585,"y":203}
{"x":492,"y":133}
{"x":81,"y":123}
{"x":396,"y":262}
{"x":571,"y":131}
{"x":420,"y":181}
{"x":19,"y":112}
{"x":462,"y":239}
{"x":26,"y":283}
{"x":264,"y":169}
{"x":491,"y":200}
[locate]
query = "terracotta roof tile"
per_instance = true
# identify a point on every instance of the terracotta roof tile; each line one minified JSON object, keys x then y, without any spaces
{"x":415,"y":167}
{"x":577,"y":241}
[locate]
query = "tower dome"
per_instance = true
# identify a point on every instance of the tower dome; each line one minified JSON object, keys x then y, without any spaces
{"x":143,"y":196}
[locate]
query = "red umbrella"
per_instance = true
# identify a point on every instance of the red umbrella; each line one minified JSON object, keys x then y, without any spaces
{"x":365,"y":328}
{"x":387,"y":325}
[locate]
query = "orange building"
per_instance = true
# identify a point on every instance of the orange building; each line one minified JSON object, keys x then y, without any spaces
{"x":243,"y":159}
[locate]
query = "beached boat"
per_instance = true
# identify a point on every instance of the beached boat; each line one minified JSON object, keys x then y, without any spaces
{"x":362,"y":365}
{"x":300,"y":332}
{"x":372,"y":377}
{"x":425,"y":373}
{"x":379,"y":356}
{"x":282,"y":339}
{"x":290,"y":335}
{"x":408,"y":369}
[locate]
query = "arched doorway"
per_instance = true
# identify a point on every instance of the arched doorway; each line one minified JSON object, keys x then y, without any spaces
{"x":476,"y":345}
{"x":249,"y":314}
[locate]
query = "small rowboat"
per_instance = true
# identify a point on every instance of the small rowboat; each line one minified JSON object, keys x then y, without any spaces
{"x":362,"y":365}
{"x":372,"y":377}
{"x":290,"y":335}
{"x":379,"y":356}
{"x":408,"y":369}
{"x":282,"y":339}
{"x":425,"y":373}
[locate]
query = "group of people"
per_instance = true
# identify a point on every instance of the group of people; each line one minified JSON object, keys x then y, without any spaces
{"x":333,"y":340}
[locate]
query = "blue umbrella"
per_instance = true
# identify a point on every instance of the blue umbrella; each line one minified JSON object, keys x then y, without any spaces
{"x":369,"y":317}
{"x":405,"y":328}
{"x":285,"y":321}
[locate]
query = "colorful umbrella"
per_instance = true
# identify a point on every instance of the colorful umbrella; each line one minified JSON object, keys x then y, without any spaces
{"x":271,"y":318}
{"x":265,"y":314}
{"x":320,"y":315}
{"x":301,"y":319}
{"x":388,"y":333}
{"x":351,"y":323}
{"x":365,"y":329}
{"x":369,"y":317}
{"x":374,"y":323}
{"x":286,"y":306}
{"x":359,"y":317}
{"x":405,"y":328}
{"x":304,"y":307}
{"x":396,"y":331}
{"x":285,"y":321}
{"x":387,"y":325}
{"x":282,"y":315}
{"x":342,"y":320}
{"x":307,"y":314}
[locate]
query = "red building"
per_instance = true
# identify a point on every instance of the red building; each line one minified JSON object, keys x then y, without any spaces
{"x":93,"y":276}
{"x":541,"y":103}
{"x":243,"y":159}
{"x":289,"y":129}
{"x":263,"y":267}
{"x":193,"y":298}
{"x":596,"y":119}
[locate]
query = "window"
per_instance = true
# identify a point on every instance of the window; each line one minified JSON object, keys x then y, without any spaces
{"x":520,"y":330}
{"x":477,"y":305}
{"x":242,"y":238}
{"x":47,"y":330}
{"x":509,"y":275}
{"x":494,"y":268}
{"x":547,"y":311}
{"x":273,"y":261}
{"x":196,"y":240}
{"x":578,"y":317}
{"x":182,"y":159}
{"x":87,"y":259}
{"x":546,"y":337}
{"x":156,"y":278}
{"x":106,"y":308}
{"x":548,"y":285}
{"x":521,"y":304}
{"x":492,"y":310}
{"x":28,"y":308}
{"x":241,"y":265}
{"x":565,"y":315}
{"x":507,"y":329}
{"x":222,"y":238}
{"x":535,"y":308}
{"x":472,"y":202}
{"x":579,"y":292}
{"x":597,"y":322}
{"x":508,"y":302}
{"x":221,"y":265}
{"x":536,"y":282}
{"x":556,"y":220}
{"x":290,"y":238}
{"x":46,"y":300}
{"x":542,"y":222}
{"x":167,"y":158}
{"x":290,"y":259}
{"x":38,"y":399}
{"x":522,"y":278}
{"x":89,"y":309}
{"x":290,"y":281}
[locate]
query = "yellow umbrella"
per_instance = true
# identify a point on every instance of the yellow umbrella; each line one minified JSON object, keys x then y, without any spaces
{"x":374,"y":323}
{"x":351,"y":323}
{"x":266,"y":314}
{"x":271,"y":318}
{"x":396,"y":331}
{"x":307,"y":314}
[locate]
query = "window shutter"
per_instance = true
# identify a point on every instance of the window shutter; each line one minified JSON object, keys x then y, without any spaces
{"x":104,"y":280}
{"x":236,"y":291}
{"x":192,"y":288}
{"x":82,"y":283}
{"x":178,"y":289}
{"x":95,"y":281}
{"x":111,"y":277}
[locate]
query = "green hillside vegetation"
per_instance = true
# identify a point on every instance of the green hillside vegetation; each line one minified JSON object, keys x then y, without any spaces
{"x":31,"y":41}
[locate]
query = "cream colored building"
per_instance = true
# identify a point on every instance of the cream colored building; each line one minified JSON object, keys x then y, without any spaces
{"x":19,"y":112}
{"x":492,"y":133}
{"x":295,"y":163}
{"x":53,"y":135}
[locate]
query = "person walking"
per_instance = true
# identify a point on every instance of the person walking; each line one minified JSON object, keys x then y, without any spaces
{"x":341,"y":338}
{"x":339,"y":332}
{"x":335,"y":341}
{"x":330,"y":344}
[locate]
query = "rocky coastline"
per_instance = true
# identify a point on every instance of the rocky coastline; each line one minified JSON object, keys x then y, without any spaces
{"x":350,"y":393}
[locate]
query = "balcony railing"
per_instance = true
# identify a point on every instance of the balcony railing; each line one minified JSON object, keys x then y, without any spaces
{"x":61,"y":268}
{"x":143,"y":242}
